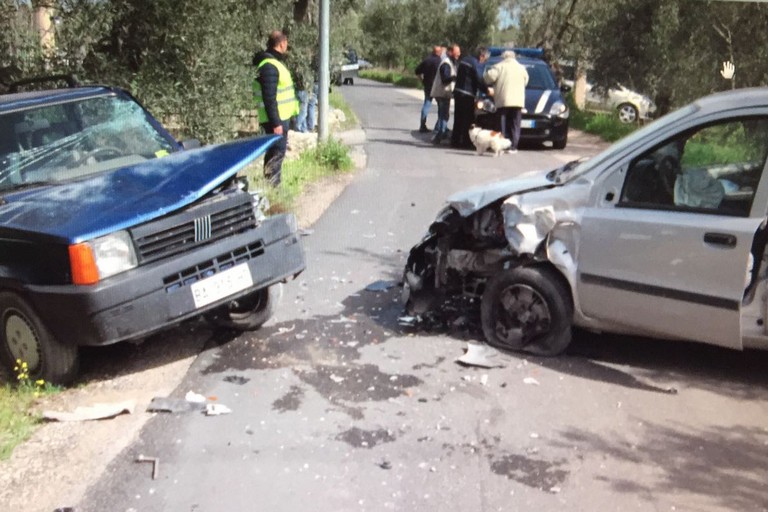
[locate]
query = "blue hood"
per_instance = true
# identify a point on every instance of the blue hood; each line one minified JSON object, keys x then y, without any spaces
{"x":77,"y":211}
{"x":542,"y":98}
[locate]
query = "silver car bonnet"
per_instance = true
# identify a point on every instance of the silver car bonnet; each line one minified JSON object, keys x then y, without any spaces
{"x":469,"y":201}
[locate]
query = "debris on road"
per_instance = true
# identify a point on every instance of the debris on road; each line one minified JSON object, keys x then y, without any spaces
{"x":380,"y":286}
{"x":173,"y":405}
{"x":481,"y":355}
{"x":335,"y":378}
{"x":283,"y":330}
{"x":155,"y":464}
{"x":236,"y":379}
{"x":195,"y":398}
{"x":216,"y":409}
{"x":385,"y":464}
{"x":531,"y":381}
{"x":99,"y":411}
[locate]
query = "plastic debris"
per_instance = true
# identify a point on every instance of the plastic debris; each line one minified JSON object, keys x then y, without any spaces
{"x":94,"y":412}
{"x":173,"y":405}
{"x":335,"y":378}
{"x":484,"y":379}
{"x":216,"y":409}
{"x":481,"y":355}
{"x":380,"y":286}
{"x":531,"y":381}
{"x":195,"y":398}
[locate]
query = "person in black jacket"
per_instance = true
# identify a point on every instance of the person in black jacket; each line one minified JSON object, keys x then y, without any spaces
{"x":469,"y":82}
{"x":427,"y":71}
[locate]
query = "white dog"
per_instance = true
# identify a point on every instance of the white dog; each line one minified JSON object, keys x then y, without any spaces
{"x":487,"y":139}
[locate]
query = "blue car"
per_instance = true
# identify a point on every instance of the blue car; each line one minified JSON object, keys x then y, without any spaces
{"x":545,"y":116}
{"x":111,"y":230}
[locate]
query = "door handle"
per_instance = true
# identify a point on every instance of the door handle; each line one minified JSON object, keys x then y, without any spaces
{"x":720,"y":239}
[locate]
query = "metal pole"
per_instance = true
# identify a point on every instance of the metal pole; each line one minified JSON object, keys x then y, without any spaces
{"x":325,"y":75}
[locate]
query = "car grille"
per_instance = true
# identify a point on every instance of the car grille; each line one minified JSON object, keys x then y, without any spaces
{"x":211,"y":267}
{"x":195,"y":226}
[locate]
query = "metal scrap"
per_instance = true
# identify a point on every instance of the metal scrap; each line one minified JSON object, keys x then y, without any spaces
{"x":155,"y":464}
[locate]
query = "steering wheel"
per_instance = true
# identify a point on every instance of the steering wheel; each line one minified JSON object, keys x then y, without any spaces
{"x":667,"y":168}
{"x":103,"y":153}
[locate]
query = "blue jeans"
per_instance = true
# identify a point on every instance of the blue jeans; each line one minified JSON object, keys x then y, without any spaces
{"x":311,"y":106}
{"x":511,"y":118}
{"x":426,"y":107}
{"x":443,"y":114}
{"x":301,"y":118}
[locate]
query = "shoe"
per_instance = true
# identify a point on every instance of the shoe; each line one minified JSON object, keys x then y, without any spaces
{"x":437,"y":139}
{"x":424,"y":129}
{"x":510,"y":151}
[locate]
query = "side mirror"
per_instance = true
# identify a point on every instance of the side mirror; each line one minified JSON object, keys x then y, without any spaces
{"x":191,"y":144}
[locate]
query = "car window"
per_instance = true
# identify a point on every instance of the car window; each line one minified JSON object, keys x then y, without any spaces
{"x":713,"y":169}
{"x":76,"y":139}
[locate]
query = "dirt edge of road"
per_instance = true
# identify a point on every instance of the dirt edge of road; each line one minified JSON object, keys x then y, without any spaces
{"x":55,"y":467}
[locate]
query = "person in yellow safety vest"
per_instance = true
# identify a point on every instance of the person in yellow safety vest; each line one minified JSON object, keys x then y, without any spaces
{"x":275,"y":100}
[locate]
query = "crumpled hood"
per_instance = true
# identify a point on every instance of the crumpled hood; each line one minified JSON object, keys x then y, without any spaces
{"x":469,"y":201}
{"x":80,"y":210}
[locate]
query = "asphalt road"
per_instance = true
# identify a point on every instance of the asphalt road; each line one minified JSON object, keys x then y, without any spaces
{"x":335,"y":407}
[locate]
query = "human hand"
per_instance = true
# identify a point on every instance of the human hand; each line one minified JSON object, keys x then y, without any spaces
{"x":728,"y":70}
{"x":278,"y":130}
{"x":490,"y":91}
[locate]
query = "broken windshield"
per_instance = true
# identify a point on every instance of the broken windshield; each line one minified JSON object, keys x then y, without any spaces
{"x":72,"y":140}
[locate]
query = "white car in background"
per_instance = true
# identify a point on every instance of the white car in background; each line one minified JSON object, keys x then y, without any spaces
{"x":630,"y":106}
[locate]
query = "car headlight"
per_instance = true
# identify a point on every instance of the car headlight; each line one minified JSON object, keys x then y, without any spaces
{"x":559,"y":109}
{"x":113,"y":254}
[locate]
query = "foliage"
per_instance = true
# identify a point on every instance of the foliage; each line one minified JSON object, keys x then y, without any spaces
{"x":187,"y":62}
{"x":336,"y":101}
{"x":16,"y":423}
{"x":606,"y":126}
{"x":392,"y":77}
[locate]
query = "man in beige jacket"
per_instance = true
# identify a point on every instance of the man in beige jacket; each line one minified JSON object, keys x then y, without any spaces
{"x":508,"y":79}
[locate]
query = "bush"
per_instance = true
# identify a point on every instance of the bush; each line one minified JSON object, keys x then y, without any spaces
{"x":606,"y":126}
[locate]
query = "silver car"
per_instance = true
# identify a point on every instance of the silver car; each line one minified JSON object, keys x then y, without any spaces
{"x":630,"y":106}
{"x":663,"y":234}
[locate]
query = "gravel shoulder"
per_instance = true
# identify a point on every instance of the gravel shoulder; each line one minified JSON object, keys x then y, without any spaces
{"x":54,"y":468}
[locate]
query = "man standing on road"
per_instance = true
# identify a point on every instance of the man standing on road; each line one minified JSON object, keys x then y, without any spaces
{"x":442,"y":90}
{"x":427,"y":71}
{"x":275,"y":100}
{"x":469,"y":81}
{"x":508,"y":79}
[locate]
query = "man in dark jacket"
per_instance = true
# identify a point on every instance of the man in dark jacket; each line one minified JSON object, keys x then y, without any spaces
{"x":469,"y":82}
{"x":275,"y":100}
{"x":427,"y":71}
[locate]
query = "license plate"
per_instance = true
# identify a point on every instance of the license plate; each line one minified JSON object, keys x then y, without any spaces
{"x":527,"y":123}
{"x":221,"y":285}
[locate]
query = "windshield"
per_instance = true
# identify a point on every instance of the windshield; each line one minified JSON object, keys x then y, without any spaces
{"x":55,"y":143}
{"x":539,"y":77}
{"x":626,"y":142}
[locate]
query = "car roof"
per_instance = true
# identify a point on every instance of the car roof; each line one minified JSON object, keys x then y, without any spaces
{"x":734,"y":99}
{"x":29,"y":99}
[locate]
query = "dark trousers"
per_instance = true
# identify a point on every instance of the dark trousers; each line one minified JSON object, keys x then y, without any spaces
{"x":510,"y":123}
{"x":273,"y":158}
{"x":463,"y":116}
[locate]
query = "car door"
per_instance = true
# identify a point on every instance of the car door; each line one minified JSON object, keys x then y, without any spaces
{"x":671,"y":257}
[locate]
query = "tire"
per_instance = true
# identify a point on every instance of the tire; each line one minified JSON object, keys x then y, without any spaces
{"x":23,"y":335}
{"x":627,"y":113}
{"x":560,"y":144}
{"x":527,"y":309}
{"x":249,"y":312}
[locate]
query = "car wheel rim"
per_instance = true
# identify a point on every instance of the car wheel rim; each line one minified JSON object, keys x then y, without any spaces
{"x":22,"y":340}
{"x":627,"y":114}
{"x":522,"y":315}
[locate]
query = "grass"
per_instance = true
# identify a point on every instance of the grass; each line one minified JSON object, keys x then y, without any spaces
{"x":17,"y":423}
{"x":327,"y":159}
{"x":607,"y":126}
{"x":391,"y":77}
{"x":336,"y":100}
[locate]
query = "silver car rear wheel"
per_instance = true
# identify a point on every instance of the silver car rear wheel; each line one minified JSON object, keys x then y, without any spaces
{"x":628,"y":113}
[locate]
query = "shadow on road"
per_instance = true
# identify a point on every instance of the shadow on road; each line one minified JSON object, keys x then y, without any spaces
{"x":723,"y":464}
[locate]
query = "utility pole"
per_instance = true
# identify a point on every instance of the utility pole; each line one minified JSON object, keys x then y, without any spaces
{"x":325,"y":75}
